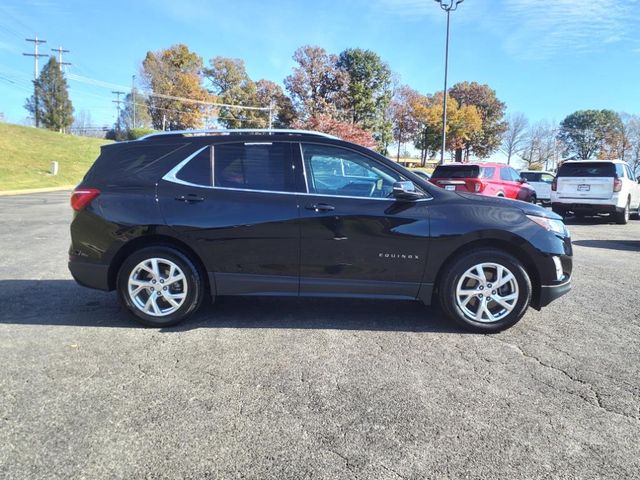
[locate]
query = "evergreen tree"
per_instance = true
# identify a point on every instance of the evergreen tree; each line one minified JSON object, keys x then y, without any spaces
{"x":50,"y":104}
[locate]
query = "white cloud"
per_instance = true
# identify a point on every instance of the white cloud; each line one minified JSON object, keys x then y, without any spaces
{"x":538,"y":29}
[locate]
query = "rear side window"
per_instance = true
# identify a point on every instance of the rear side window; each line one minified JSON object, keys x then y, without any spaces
{"x":198,"y":170}
{"x":487,"y":172}
{"x":258,"y":166}
{"x":456,"y":171}
{"x":590,"y":169}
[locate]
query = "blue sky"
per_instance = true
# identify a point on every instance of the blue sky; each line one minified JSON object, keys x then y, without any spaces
{"x":544,"y":58}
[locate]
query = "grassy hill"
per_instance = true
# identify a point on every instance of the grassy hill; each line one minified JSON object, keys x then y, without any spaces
{"x":26,"y":154}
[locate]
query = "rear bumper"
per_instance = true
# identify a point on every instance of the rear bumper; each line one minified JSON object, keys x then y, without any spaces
{"x":549,"y":293}
{"x":587,"y":208}
{"x":89,"y":274}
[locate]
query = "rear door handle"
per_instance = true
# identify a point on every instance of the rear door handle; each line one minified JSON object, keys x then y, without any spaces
{"x":321,"y":207}
{"x":190,"y":198}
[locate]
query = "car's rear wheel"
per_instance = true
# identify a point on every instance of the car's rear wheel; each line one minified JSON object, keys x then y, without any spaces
{"x":534,"y":199}
{"x":485,"y":290}
{"x":622,"y":216}
{"x":160,"y":286}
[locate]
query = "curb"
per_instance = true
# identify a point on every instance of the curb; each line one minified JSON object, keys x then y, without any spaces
{"x":36,"y":190}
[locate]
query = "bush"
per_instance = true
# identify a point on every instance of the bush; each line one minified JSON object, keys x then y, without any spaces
{"x":135,"y":133}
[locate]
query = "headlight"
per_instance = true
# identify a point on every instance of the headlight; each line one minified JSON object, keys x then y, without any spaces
{"x":555,"y":226}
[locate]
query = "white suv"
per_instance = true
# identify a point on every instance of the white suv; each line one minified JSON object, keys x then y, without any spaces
{"x":591,"y":187}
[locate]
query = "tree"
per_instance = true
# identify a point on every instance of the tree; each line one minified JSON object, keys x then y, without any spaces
{"x":540,"y":148}
{"x":232,"y":85}
{"x":270,"y":93}
{"x":174,"y":76}
{"x":345,"y":130}
{"x":316,"y":85}
{"x":50,"y":104}
{"x":135,"y":112}
{"x":485,"y":141}
{"x":590,"y":133}
{"x":369,"y":87}
{"x":403,"y":115}
{"x":515,"y":136}
{"x":82,"y":123}
{"x":463,"y":122}
{"x":631,"y":144}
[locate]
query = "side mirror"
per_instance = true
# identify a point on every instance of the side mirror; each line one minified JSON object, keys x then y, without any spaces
{"x":522,"y":180}
{"x":405,"y":190}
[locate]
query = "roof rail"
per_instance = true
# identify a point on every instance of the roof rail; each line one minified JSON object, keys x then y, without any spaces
{"x":267,"y":131}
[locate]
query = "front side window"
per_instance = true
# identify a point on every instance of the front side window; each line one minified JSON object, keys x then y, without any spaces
{"x":257,"y":166}
{"x":338,"y":171}
{"x":505,"y":174}
{"x":546,"y":178}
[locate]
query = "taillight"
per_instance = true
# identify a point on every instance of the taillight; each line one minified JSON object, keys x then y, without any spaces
{"x":82,"y":197}
{"x":617,"y":184}
{"x":554,"y":185}
{"x":475,"y":185}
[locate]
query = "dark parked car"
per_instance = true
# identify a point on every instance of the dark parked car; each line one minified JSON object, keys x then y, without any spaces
{"x":175,"y":218}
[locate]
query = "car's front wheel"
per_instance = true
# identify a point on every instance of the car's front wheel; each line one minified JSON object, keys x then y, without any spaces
{"x":160,"y":286}
{"x":485,"y":290}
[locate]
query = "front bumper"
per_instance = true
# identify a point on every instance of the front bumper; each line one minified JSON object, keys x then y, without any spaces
{"x":549,"y":293}
{"x":89,"y":274}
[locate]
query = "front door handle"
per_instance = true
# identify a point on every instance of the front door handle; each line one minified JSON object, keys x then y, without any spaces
{"x":190,"y":198}
{"x":321,"y":207}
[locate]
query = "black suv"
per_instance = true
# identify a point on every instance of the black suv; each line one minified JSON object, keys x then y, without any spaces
{"x":177,"y":217}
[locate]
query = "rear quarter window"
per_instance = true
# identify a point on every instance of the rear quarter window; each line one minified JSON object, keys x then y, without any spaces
{"x":591,"y":169}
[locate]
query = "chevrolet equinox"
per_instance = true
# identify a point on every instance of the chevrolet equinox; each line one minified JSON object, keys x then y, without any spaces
{"x":175,"y":218}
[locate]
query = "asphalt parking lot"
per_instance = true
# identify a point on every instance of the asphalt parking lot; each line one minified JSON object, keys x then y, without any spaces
{"x":324,"y":389}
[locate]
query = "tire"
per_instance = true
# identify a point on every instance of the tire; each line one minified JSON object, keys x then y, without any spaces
{"x":622,"y":216}
{"x":457,"y":276}
{"x":534,"y":199}
{"x":636,"y":215}
{"x":559,"y":211}
{"x":173,"y":301}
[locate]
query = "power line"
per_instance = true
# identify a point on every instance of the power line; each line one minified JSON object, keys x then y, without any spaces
{"x":36,"y":41}
{"x":118,"y":102}
{"x":100,"y":83}
{"x":60,"y":51}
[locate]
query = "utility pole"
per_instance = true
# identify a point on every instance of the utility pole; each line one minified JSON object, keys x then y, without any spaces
{"x":36,"y":41}
{"x":117,"y":102}
{"x":60,"y":51}
{"x":133,"y":100}
{"x":448,"y":6}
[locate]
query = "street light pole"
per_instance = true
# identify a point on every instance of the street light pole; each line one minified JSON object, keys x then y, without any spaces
{"x":448,"y":6}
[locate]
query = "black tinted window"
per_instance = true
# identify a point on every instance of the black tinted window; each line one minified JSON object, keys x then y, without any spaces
{"x":531,"y":176}
{"x":198,"y":170}
{"x":456,"y":171}
{"x":262,"y":166}
{"x":590,"y":169}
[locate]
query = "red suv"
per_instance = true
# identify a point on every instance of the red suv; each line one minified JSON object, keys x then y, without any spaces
{"x":491,"y":179}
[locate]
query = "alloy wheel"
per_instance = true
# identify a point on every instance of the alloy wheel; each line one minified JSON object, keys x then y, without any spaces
{"x":157,"y":287}
{"x":487,"y":292}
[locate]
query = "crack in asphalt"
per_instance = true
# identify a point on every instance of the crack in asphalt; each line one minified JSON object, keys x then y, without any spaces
{"x":596,"y":396}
